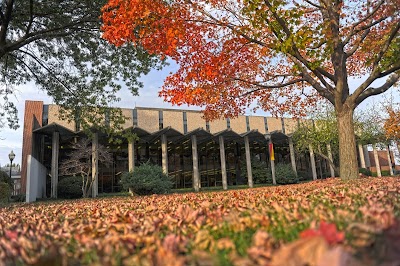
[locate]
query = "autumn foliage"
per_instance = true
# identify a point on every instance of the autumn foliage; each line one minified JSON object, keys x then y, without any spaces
{"x":231,"y":53}
{"x":392,"y":125}
{"x":307,"y":224}
{"x":280,"y":56}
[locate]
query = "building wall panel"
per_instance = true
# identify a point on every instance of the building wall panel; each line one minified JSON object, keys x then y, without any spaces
{"x":257,"y":122}
{"x":238,"y":124}
{"x":290,"y":125}
{"x":33,"y":118}
{"x":148,"y":119}
{"x":195,"y":120}
{"x":127,"y":113}
{"x":174,"y":119}
{"x":54,"y":111}
{"x":218,"y":125}
{"x":274,"y":124}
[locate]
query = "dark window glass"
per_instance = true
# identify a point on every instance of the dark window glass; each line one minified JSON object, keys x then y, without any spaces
{"x":208,"y":126}
{"x":77,"y":119}
{"x":266,"y":125}
{"x":134,"y":117}
{"x":185,"y":127}
{"x":248,"y":123}
{"x":228,"y":123}
{"x":45,"y":118}
{"x":283,"y":125}
{"x":160,"y":120}
{"x":107,"y":118}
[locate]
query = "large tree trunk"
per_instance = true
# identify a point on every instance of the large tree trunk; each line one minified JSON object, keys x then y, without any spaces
{"x":347,"y":144}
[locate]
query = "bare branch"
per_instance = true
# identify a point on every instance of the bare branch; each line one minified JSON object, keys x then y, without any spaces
{"x":375,"y":91}
{"x":353,"y":30}
{"x":263,"y":87}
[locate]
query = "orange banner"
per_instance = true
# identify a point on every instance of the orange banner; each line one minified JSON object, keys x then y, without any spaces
{"x":271,"y":152}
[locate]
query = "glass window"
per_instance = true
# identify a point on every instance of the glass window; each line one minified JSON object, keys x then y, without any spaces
{"x":185,"y":128}
{"x":160,"y":120}
{"x":45,"y":118}
{"x":248,"y":123}
{"x":134,"y":117}
{"x":266,"y":124}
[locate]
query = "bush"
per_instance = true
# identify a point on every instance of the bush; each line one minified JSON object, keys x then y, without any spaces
{"x":70,"y":187}
{"x":18,"y":198}
{"x":261,"y":173}
{"x":147,"y":179}
{"x":285,"y":175}
{"x":5,"y":178}
{"x":383,"y":173}
{"x":5,"y":192}
{"x":304,"y":175}
{"x":365,"y":171}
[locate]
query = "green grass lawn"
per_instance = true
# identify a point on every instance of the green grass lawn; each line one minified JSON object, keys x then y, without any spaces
{"x":355,"y":221}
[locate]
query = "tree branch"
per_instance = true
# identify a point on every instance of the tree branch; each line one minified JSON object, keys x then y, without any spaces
{"x":353,"y":30}
{"x":375,"y":91}
{"x":6,"y":18}
{"x":385,"y":47}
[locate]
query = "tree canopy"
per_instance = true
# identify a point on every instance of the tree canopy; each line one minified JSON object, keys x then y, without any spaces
{"x":392,"y":125}
{"x":282,"y":54}
{"x":58,"y":46}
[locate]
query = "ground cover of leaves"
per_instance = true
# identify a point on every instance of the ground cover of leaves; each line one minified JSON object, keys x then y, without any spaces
{"x":327,"y":222}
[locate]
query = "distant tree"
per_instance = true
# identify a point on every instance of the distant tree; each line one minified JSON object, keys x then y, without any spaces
{"x":392,"y":125}
{"x":5,"y":178}
{"x":79,"y":163}
{"x":282,"y":54}
{"x":319,"y":130}
{"x":58,"y":46}
{"x":369,"y":125}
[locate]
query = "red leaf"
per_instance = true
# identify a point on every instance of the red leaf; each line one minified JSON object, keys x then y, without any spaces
{"x":327,"y":230}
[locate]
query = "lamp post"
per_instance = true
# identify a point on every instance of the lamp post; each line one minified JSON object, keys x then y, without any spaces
{"x":11,"y":156}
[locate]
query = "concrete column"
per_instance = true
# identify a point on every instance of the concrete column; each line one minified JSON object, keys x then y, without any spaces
{"x":366,"y":156}
{"x":223,"y":162}
{"x":361,"y":153}
{"x":389,"y":160}
{"x":131,"y":155}
{"x":95,"y":165}
{"x":313,"y":167}
{"x":328,"y":147}
{"x":196,"y":174}
{"x":272,"y":162}
{"x":376,"y":157}
{"x":164,"y":153}
{"x":55,"y":147}
{"x":248,"y":161}
{"x":292,"y":157}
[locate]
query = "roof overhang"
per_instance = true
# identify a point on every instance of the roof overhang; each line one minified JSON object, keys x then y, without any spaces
{"x":49,"y":129}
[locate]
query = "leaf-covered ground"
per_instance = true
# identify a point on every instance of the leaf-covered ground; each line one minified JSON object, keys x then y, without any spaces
{"x":327,"y":222}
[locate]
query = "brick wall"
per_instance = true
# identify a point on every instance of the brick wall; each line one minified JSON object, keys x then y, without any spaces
{"x":32,"y":120}
{"x":383,"y":160}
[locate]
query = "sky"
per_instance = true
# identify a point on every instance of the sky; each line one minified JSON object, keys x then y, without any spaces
{"x":148,"y":97}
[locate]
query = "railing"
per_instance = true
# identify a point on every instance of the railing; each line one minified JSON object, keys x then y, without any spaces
{"x":16,"y":187}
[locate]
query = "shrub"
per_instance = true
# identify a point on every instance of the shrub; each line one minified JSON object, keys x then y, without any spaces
{"x":5,"y":178}
{"x":365,"y":171}
{"x":147,"y":179}
{"x":304,"y":175}
{"x":261,"y":173}
{"x":5,"y":192}
{"x":285,"y":175}
{"x":70,"y":187}
{"x":383,"y":173}
{"x":18,"y":198}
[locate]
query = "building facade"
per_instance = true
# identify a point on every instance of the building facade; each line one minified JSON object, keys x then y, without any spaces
{"x":194,"y":152}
